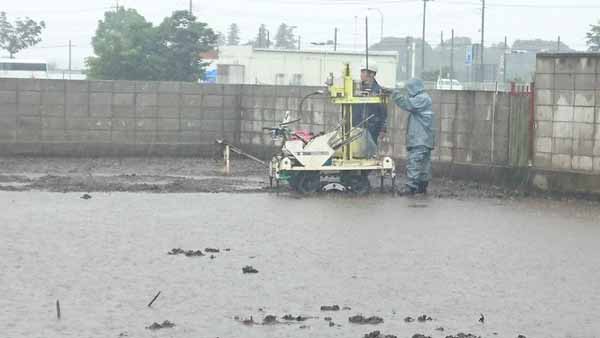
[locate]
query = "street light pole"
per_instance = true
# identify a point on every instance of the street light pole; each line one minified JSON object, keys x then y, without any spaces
{"x":482,"y":69}
{"x":381,"y":27}
{"x":423,"y":37}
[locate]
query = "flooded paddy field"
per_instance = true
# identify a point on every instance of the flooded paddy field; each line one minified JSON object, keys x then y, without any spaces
{"x":529,"y":266}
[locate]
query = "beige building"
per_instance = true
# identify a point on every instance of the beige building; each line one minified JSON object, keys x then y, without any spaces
{"x":248,"y":65}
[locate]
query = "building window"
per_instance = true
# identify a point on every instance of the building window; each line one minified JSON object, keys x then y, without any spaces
{"x":296,"y":80}
{"x":279,"y":79}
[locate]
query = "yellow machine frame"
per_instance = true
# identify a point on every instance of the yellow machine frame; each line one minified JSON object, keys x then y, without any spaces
{"x":345,"y":96}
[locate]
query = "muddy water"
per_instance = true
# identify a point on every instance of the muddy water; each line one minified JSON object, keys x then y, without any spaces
{"x":531,"y":267}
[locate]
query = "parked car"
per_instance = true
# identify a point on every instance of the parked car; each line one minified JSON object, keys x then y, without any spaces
{"x":448,"y":84}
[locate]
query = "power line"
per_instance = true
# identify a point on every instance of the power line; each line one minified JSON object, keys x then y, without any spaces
{"x":66,"y":11}
{"x":450,"y":2}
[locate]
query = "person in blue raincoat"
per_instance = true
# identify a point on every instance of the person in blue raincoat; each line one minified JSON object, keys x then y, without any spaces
{"x":420,"y":136}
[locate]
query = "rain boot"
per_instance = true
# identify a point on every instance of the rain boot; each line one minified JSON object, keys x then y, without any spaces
{"x":406,"y":191}
{"x":422,"y":189}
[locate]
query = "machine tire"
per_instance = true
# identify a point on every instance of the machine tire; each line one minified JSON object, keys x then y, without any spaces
{"x":308,"y":182}
{"x":358,"y":184}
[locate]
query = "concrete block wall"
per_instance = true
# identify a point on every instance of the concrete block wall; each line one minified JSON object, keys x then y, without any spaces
{"x":94,"y":118}
{"x":567,"y":116}
{"x":463,"y":121}
{"x":464,"y":124}
{"x":56,"y":117}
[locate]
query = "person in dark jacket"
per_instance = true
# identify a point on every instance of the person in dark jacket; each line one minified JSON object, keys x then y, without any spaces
{"x":377,"y":124}
{"x":420,"y":136}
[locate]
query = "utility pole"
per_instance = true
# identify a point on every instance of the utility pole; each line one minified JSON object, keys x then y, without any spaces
{"x":414,"y":58}
{"x":504,"y":59}
{"x":191,"y":6}
{"x":335,"y":39}
{"x":69,"y":59}
{"x":299,"y":42}
{"x":441,"y":76}
{"x":452,"y":59}
{"x":423,"y":37}
{"x":408,"y":57}
{"x":482,"y":40}
{"x":367,"y":42}
{"x":558,"y":44}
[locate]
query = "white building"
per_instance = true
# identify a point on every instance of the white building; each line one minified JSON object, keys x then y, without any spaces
{"x":248,"y":65}
{"x":35,"y":69}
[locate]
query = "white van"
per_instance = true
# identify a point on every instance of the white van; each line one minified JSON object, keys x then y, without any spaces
{"x":448,"y":84}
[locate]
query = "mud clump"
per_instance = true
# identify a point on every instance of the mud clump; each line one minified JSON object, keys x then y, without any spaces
{"x":441,"y":329}
{"x":424,"y":318}
{"x":192,"y":253}
{"x":359,"y":319}
{"x":187,"y":253}
{"x":330,"y":308}
{"x":521,"y":336}
{"x":327,"y":319}
{"x":156,"y":326}
{"x":249,"y":269}
{"x":464,"y":335}
{"x":346,"y":308}
{"x":176,"y":251}
{"x":246,"y":321}
{"x":270,"y":320}
{"x":378,"y":334}
{"x":86,"y":196}
{"x":212,"y":250}
{"x":418,"y":335}
{"x":294,"y":318}
{"x":331,"y":324}
{"x":409,"y":319}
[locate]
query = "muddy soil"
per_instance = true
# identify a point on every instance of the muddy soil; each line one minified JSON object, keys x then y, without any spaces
{"x":193,"y":175}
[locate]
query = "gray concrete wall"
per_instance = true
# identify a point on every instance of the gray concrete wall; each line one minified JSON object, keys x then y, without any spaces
{"x":98,"y":118}
{"x":567,"y":118}
{"x":463,"y":120}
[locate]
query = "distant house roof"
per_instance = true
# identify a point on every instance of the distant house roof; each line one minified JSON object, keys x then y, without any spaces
{"x":569,"y":54}
{"x":320,"y":51}
{"x":210,"y":55}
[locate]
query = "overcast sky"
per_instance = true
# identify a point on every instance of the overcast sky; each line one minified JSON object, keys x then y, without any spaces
{"x":76,"y":20}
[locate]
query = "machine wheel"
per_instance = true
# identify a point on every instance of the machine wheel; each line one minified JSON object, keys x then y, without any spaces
{"x":308,"y":182}
{"x":358,"y":184}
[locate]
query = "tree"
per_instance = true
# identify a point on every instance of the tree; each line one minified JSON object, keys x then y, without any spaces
{"x":122,"y":45}
{"x":181,"y":39}
{"x":24,"y":33}
{"x":539,"y":45}
{"x":593,"y":38}
{"x":221,"y":40}
{"x":127,"y":47}
{"x":261,"y":40}
{"x":233,"y":36}
{"x":285,"y":38}
{"x":435,"y":75}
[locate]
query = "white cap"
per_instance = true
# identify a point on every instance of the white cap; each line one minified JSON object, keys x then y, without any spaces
{"x":372,"y":66}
